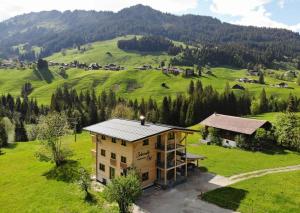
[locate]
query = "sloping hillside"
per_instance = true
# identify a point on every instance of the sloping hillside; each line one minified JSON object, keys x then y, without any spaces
{"x":106,"y":52}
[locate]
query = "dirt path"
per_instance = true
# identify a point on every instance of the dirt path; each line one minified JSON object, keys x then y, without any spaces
{"x":225,"y":181}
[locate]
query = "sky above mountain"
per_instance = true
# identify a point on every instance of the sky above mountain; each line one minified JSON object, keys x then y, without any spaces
{"x":267,"y":13}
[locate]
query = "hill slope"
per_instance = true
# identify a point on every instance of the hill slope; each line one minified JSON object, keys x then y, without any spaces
{"x":106,"y":52}
{"x":53,"y":30}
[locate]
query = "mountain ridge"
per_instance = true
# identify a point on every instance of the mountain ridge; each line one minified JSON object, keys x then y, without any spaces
{"x":55,"y":30}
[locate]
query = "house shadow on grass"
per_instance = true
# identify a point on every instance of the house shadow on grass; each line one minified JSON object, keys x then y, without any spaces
{"x":274,"y":150}
{"x":68,"y":172}
{"x":226,"y":197}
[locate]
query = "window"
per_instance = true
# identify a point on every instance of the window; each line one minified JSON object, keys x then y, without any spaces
{"x":102,"y":167}
{"x":111,"y":172}
{"x":103,"y":152}
{"x":103,"y":137}
{"x":113,"y":156}
{"x":114,"y":140}
{"x":123,"y":143}
{"x":171,"y":135}
{"x":123,"y":159}
{"x":145,"y":142}
{"x":145,"y":176}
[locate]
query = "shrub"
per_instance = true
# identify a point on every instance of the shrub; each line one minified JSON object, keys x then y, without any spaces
{"x":215,"y":136}
{"x":203,"y":132}
{"x":241,"y":142}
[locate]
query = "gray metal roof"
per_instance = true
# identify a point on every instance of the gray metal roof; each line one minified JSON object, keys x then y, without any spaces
{"x":129,"y":130}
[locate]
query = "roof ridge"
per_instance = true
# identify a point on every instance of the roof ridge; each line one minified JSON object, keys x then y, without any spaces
{"x":245,"y":118}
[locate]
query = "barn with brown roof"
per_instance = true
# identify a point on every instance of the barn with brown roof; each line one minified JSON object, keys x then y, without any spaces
{"x":231,"y":126}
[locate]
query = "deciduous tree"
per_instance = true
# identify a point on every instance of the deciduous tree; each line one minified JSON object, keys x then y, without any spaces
{"x":124,"y":190}
{"x":51,"y":128}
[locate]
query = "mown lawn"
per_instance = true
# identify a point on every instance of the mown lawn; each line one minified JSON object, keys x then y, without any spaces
{"x":271,"y":193}
{"x":26,"y":185}
{"x":227,"y":162}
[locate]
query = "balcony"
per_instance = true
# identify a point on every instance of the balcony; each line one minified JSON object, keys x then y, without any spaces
{"x":161,"y":164}
{"x":162,"y":147}
{"x":123,"y":165}
{"x":113,"y":162}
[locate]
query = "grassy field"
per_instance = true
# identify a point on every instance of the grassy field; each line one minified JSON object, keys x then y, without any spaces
{"x":230,"y":161}
{"x":129,"y":83}
{"x":271,"y":116}
{"x":28,"y":186}
{"x":22,"y":174}
{"x":271,"y":193}
{"x":99,"y":53}
{"x":227,"y":162}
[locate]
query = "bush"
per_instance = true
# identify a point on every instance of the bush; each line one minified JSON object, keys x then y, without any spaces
{"x":241,"y":142}
{"x":215,"y":136}
{"x":263,"y":138}
{"x":203,"y":132}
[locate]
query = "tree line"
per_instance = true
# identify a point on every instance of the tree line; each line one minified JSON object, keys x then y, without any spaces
{"x":182,"y":110}
{"x":149,"y":44}
{"x":81,"y":27}
{"x":87,"y":108}
{"x":228,"y":55}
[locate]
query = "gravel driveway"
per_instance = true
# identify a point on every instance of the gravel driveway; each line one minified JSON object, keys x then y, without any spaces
{"x":182,"y":198}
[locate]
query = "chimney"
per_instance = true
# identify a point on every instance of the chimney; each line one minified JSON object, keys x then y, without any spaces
{"x":142,"y":118}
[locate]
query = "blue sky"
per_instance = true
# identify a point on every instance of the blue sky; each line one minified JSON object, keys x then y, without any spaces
{"x":267,"y":13}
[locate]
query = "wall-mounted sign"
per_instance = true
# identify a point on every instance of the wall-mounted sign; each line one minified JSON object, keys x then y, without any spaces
{"x":143,"y":155}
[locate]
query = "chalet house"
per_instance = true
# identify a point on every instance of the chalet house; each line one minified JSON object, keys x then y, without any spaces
{"x":189,"y":73}
{"x":231,"y":126}
{"x":282,"y":85}
{"x":144,"y":67}
{"x":113,"y":67}
{"x":157,"y":152}
{"x":94,"y":66}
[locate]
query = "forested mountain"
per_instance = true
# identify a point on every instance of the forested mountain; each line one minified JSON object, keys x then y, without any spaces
{"x":54,"y":30}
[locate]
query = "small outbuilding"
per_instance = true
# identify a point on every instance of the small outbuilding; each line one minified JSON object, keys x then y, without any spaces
{"x":231,"y":126}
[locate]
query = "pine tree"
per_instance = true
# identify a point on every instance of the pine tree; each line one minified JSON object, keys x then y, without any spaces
{"x":165,"y":111}
{"x":190,"y":115}
{"x":3,"y":136}
{"x":292,"y":105}
{"x":191,"y":88}
{"x":261,"y":79}
{"x":263,"y":103}
{"x":20,"y":132}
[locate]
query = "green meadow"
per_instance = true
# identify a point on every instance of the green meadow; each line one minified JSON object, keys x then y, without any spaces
{"x":27,"y":185}
{"x":130,"y":83}
{"x":271,"y":193}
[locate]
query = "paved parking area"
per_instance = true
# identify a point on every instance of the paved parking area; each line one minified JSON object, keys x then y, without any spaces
{"x":182,"y":198}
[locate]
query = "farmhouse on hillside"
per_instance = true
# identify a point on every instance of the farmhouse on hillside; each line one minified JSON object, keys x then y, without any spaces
{"x":157,"y":152}
{"x":230,"y":126}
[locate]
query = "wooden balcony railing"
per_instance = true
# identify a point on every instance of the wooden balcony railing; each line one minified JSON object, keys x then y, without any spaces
{"x":123,"y":165}
{"x":113,"y":162}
